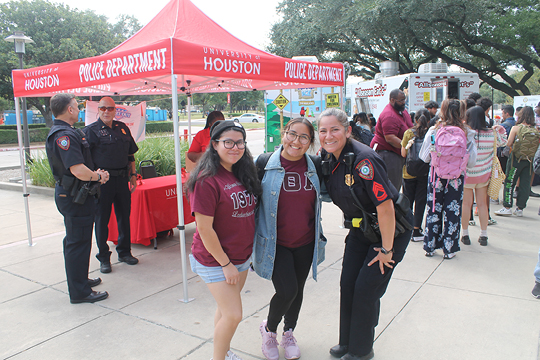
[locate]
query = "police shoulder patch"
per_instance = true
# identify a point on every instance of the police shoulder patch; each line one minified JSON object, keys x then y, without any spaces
{"x":63,"y":142}
{"x":365,"y":169}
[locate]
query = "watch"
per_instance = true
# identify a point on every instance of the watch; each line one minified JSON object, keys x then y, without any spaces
{"x":385,"y":252}
{"x":134,"y":174}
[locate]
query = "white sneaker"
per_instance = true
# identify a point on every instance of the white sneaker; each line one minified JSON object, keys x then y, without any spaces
{"x":288,"y":342}
{"x":232,"y":356}
{"x":269,"y":343}
{"x":518,"y":212}
{"x":504,"y":212}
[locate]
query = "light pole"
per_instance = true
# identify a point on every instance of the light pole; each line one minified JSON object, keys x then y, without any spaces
{"x":19,"y":39}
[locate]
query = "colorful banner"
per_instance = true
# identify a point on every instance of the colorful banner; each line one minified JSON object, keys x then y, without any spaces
{"x":133,"y":116}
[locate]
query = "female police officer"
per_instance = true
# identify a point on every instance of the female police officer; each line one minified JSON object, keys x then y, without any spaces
{"x":357,"y":182}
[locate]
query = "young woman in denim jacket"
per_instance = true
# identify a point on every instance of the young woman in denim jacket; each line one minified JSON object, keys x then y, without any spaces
{"x":288,"y":232}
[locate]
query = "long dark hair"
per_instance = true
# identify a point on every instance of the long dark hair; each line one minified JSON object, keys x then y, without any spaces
{"x":451,"y":113}
{"x":476,"y":118}
{"x":244,"y":169}
{"x":421,"y":125}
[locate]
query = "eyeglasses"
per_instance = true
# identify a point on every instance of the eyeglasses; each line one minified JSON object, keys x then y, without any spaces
{"x":291,"y":136}
{"x":229,"y":144}
{"x":109,"y":108}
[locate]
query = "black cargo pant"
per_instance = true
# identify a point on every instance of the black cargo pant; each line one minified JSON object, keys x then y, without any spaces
{"x":362,"y":287}
{"x":79,"y":220}
{"x":115,"y":191}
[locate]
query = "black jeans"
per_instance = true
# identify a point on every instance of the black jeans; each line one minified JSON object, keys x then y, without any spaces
{"x":115,"y":191}
{"x":291,"y":269}
{"x":362,"y":287}
{"x":416,"y":191}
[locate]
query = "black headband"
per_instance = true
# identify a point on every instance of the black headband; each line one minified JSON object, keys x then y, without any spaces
{"x":223,"y":125}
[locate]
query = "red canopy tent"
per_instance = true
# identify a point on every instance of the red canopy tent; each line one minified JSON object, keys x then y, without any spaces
{"x":180,"y":49}
{"x":180,"y":40}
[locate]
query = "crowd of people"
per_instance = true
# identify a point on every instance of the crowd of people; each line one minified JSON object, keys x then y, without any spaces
{"x":266,"y":214}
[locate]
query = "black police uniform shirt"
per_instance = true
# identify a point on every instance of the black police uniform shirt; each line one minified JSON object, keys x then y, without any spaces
{"x":110,"y":146}
{"x":371,"y":184}
{"x":66,"y":147}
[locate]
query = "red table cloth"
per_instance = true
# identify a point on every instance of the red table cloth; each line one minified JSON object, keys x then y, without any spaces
{"x":153,"y":209}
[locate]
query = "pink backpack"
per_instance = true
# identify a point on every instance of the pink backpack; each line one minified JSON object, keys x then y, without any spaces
{"x":449,"y":153}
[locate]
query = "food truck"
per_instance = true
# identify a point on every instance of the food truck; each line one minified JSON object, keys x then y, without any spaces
{"x":431,"y":82}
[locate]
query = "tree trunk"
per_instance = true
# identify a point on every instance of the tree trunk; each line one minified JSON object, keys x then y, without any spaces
{"x":45,"y":110}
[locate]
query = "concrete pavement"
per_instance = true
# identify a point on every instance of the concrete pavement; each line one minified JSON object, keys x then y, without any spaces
{"x":475,"y":306}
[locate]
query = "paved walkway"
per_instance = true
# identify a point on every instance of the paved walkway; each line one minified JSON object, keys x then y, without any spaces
{"x":475,"y":306}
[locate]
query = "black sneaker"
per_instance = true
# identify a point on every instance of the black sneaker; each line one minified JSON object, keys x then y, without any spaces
{"x":483,"y":240}
{"x":466,"y":240}
{"x":536,"y":290}
{"x":417,"y":235}
{"x":533,"y":194}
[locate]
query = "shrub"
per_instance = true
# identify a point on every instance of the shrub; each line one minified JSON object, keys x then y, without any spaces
{"x":158,"y":149}
{"x":40,"y":171}
{"x":8,"y":136}
{"x":159,"y":126}
{"x":30,"y":126}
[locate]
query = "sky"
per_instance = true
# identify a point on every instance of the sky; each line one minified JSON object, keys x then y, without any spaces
{"x":248,"y":20}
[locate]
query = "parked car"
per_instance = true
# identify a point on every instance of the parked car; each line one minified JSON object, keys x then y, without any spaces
{"x":249,"y":118}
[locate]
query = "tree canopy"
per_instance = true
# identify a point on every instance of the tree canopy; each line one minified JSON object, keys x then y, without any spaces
{"x":60,"y":34}
{"x":482,"y":36}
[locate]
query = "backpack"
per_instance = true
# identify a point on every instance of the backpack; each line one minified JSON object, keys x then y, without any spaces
{"x":414,"y":165}
{"x":363,"y":135}
{"x":449,"y":153}
{"x":526,"y":143}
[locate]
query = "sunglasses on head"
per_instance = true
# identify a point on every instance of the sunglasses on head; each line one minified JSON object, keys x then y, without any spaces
{"x":109,"y":108}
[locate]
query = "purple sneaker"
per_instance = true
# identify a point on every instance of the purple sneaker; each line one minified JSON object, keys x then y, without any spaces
{"x":269,"y":343}
{"x":288,"y":342}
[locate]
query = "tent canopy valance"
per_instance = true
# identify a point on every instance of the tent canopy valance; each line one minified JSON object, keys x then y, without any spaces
{"x":181,"y":40}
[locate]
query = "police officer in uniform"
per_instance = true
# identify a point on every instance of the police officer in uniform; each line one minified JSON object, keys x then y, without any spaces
{"x":357,"y":181}
{"x":113,"y":149}
{"x":72,"y":168}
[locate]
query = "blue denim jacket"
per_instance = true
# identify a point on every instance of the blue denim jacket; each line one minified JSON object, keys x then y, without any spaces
{"x":264,"y":247}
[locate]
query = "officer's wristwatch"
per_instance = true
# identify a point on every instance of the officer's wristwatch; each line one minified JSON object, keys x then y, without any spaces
{"x":385,"y":252}
{"x":134,"y":174}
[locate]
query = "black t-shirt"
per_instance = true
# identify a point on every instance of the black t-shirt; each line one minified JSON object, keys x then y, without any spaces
{"x":371,"y":184}
{"x":110,"y":146}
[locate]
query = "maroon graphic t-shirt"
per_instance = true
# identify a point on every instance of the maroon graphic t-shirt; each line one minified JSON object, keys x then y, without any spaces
{"x":233,"y":208}
{"x":296,"y":206}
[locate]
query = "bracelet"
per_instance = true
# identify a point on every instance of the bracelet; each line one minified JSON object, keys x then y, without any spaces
{"x":99,"y":177}
{"x":226,"y":264}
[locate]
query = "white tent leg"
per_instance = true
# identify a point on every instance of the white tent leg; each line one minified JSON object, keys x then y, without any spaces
{"x":179,"y":191}
{"x":189,"y":118}
{"x":23,"y":171}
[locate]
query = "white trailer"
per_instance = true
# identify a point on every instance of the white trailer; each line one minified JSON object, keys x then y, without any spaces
{"x":432,"y":82}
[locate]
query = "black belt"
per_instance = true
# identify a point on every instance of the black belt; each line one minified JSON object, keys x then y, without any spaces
{"x":121,"y":172}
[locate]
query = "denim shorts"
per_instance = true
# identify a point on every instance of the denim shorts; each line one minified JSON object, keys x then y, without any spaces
{"x":212,"y":274}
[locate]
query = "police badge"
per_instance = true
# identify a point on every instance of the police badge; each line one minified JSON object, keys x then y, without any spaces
{"x":349,"y":179}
